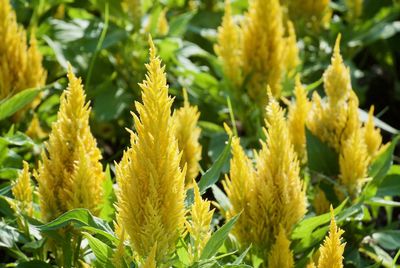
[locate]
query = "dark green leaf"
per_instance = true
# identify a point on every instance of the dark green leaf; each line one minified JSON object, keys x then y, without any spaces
{"x":12,"y":105}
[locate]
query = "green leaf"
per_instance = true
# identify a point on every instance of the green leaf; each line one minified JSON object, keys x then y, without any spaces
{"x":321,"y":158}
{"x":240,"y":259}
{"x":12,"y":105}
{"x":211,"y":176}
{"x":34,"y":264}
{"x":218,"y":239}
{"x":109,"y":198}
{"x":101,"y":250}
{"x":382,"y":202}
{"x":378,"y":170}
{"x":388,"y":239}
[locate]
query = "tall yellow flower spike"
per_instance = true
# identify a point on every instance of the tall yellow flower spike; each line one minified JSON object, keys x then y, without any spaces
{"x":151,"y":196}
{"x":263,"y":48}
{"x":228,"y":47}
{"x":23,"y":191}
{"x":279,"y":197}
{"x":353,"y":162}
{"x":372,"y":135}
{"x":199,"y":225}
{"x":71,"y":162}
{"x":354,"y":9}
{"x":188,"y":133}
{"x":239,"y":187}
{"x":162,"y":24}
{"x":329,"y":119}
{"x":280,"y":255}
{"x":292,"y":51}
{"x":331,"y":252}
{"x":20,"y":66}
{"x":297,"y":117}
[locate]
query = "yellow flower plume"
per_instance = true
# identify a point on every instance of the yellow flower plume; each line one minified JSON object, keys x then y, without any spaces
{"x":372,"y":135}
{"x":151,"y":196}
{"x":280,"y":255}
{"x":71,"y":160}
{"x":331,"y":252}
{"x":228,"y":47}
{"x":199,"y":225}
{"x":20,"y":65}
{"x":279,"y":197}
{"x":23,"y":190}
{"x":297,"y":117}
{"x":188,"y":133}
{"x":239,"y":187}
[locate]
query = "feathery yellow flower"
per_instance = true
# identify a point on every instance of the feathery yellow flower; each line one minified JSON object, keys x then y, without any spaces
{"x":134,"y":8}
{"x":239,"y":187}
{"x":292,"y":51}
{"x":297,"y":116}
{"x":188,"y":133}
{"x":199,"y":225}
{"x":279,"y":197}
{"x":311,"y":264}
{"x":372,"y":135}
{"x":162,"y":24}
{"x":331,"y":252}
{"x":151,"y":196}
{"x":280,"y":255}
{"x":70,"y":164}
{"x":353,"y":162}
{"x":334,"y":119}
{"x":151,"y":258}
{"x":320,"y":202}
{"x":23,"y":190}
{"x":34,"y":130}
{"x":263,"y":49}
{"x":228,"y":47}
{"x":354,"y":9}
{"x":20,"y":66}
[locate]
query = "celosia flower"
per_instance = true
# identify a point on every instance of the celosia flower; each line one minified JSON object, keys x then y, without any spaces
{"x":71,"y":162}
{"x":228,"y":47}
{"x":292,"y":51}
{"x":372,"y":135}
{"x":162,"y":24}
{"x":320,"y":202}
{"x":199,"y":224}
{"x":239,"y":188}
{"x":331,"y":252}
{"x":34,"y":130}
{"x":263,"y":48}
{"x":273,"y":195}
{"x":279,"y":197}
{"x":280,"y":255}
{"x":20,"y":66}
{"x":151,"y":196}
{"x":187,"y":132}
{"x":353,"y":162}
{"x":151,"y":258}
{"x":298,"y":112}
{"x":23,"y":191}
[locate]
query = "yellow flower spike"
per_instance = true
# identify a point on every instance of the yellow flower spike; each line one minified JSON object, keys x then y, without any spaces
{"x":20,"y":65}
{"x":151,"y":195}
{"x":320,"y":202}
{"x":337,"y":78}
{"x":151,"y":258}
{"x":331,"y":252}
{"x":292,"y":51}
{"x":23,"y":191}
{"x":263,"y":49}
{"x":34,"y":130}
{"x":228,"y":47}
{"x":239,"y":188}
{"x":162,"y":24}
{"x":71,"y":161}
{"x":280,"y":255}
{"x":279,"y":197}
{"x":372,"y":135}
{"x":188,"y":133}
{"x":199,"y":225}
{"x":353,"y":163}
{"x":297,"y":117}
